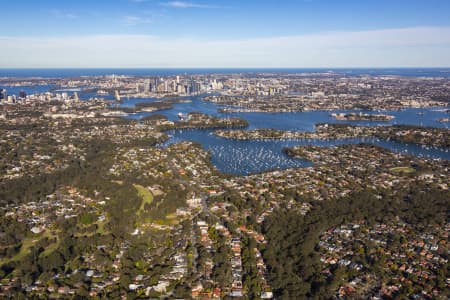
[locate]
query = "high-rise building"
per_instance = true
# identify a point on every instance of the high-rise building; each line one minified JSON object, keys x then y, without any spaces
{"x":174,"y":86}
{"x":180,"y":89}
{"x":11,"y":99}
{"x":117,"y":95}
{"x":3,"y":95}
{"x":193,"y":87}
{"x":155,"y":84}
{"x":147,"y":86}
{"x":22,"y":95}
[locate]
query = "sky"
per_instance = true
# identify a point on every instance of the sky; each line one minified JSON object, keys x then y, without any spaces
{"x":224,"y":33}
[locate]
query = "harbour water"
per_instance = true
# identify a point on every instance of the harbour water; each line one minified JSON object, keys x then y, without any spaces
{"x":246,"y":157}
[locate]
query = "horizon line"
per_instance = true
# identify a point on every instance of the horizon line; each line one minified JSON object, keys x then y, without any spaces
{"x":230,"y":68}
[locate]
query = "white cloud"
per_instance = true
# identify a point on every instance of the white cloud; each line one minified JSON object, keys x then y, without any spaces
{"x":407,"y":47}
{"x":65,"y":15}
{"x":135,"y":20}
{"x":183,"y":4}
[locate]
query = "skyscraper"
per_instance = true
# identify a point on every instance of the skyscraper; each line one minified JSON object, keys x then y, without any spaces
{"x":193,"y":87}
{"x":155,"y":84}
{"x":3,"y":95}
{"x":117,"y":95}
{"x":75,"y":96}
{"x":147,"y":86}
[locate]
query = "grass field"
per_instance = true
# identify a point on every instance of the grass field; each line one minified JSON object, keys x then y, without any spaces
{"x":145,"y":194}
{"x":404,"y":170}
{"x":29,"y":242}
{"x":49,"y":249}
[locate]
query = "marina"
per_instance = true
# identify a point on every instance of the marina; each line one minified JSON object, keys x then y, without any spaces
{"x":247,"y":157}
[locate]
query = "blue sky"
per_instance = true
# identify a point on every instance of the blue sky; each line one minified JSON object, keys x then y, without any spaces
{"x":220,"y":33}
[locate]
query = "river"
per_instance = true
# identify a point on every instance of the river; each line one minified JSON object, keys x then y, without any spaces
{"x":246,"y":157}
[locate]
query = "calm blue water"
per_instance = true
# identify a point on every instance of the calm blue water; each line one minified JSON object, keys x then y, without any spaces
{"x":30,"y":90}
{"x":58,"y":73}
{"x":246,"y":157}
{"x":299,"y":121}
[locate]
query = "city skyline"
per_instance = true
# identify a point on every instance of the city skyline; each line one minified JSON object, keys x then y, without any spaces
{"x":207,"y":34}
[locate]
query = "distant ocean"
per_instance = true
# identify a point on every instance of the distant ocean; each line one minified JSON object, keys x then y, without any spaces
{"x":67,"y":73}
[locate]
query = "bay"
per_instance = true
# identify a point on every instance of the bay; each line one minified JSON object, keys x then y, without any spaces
{"x":254,"y":156}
